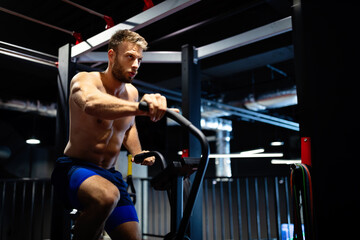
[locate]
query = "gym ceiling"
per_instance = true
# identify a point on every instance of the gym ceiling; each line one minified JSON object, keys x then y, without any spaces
{"x":257,"y":76}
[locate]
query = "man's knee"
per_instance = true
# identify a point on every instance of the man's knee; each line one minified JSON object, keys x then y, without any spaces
{"x":97,"y":193}
{"x":109,"y":198}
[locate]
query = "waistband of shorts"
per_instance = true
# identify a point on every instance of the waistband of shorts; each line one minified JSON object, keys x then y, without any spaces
{"x":64,"y":159}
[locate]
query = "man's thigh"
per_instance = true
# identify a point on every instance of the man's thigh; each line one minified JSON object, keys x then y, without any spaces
{"x":126,"y":231}
{"x":96,"y":189}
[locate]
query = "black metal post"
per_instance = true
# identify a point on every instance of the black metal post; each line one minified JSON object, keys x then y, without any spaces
{"x":325,"y":45}
{"x":191,"y":103}
{"x":66,"y":72}
{"x":60,"y":229}
{"x":176,"y":203}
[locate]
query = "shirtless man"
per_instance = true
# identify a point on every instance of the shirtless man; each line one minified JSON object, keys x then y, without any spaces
{"x":103,"y":106}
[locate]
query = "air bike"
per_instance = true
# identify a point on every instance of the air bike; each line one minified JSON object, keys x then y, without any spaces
{"x":173,"y":171}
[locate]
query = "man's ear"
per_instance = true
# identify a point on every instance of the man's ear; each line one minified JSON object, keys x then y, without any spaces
{"x":111,"y":55}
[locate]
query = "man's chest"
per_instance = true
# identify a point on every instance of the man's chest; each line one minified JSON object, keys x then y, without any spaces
{"x":121,"y":125}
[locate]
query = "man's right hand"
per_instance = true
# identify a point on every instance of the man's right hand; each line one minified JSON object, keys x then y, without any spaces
{"x":157,"y":106}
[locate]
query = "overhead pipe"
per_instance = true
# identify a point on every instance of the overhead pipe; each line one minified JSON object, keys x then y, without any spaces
{"x":76,"y":35}
{"x":29,"y":51}
{"x":28,"y":54}
{"x":109,"y":21}
{"x":273,"y":100}
{"x":27,"y":106}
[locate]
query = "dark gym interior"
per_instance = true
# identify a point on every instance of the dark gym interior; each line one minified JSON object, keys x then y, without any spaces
{"x":272,"y":75}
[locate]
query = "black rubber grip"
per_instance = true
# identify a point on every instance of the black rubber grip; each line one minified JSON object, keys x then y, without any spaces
{"x":144,"y":106}
{"x":139,"y":158}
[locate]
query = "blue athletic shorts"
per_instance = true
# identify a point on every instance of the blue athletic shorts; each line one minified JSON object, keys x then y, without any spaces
{"x":67,"y":177}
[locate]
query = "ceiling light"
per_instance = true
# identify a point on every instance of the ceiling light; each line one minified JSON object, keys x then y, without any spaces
{"x":33,"y":141}
{"x":251,"y":152}
{"x":277,"y":143}
{"x":257,"y":153}
{"x":285,"y":161}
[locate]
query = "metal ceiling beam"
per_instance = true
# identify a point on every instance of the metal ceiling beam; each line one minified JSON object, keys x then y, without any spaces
{"x":252,"y":62}
{"x":269,"y":30}
{"x":148,"y":57}
{"x":135,"y":23}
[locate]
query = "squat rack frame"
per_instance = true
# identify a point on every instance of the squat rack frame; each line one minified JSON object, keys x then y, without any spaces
{"x":189,"y":57}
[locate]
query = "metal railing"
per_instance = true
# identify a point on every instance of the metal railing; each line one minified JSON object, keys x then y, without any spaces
{"x":243,"y":208}
{"x":155,"y":223}
{"x":25,"y":209}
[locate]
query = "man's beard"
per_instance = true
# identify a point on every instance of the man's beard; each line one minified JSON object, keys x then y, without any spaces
{"x":120,"y":74}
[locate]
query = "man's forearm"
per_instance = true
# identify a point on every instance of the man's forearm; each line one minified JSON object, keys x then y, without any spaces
{"x":109,"y":107}
{"x":132,"y":142}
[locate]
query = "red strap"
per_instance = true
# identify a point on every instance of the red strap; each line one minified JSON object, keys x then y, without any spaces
{"x":148,"y":4}
{"x":306,"y":150}
{"x":77,"y":37}
{"x":109,"y":22}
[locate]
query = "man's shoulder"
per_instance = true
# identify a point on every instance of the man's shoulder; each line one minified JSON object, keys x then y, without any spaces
{"x":131,"y":87}
{"x":92,"y":78}
{"x":132,"y":91}
{"x":86,"y":75}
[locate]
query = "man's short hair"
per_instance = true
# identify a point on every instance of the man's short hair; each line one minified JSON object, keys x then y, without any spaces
{"x":128,"y":36}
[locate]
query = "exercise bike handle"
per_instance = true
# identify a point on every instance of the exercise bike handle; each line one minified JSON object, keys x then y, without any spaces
{"x":139,"y":158}
{"x":200,"y":173}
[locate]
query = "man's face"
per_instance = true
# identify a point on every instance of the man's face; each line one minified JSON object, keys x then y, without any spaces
{"x":126,"y":61}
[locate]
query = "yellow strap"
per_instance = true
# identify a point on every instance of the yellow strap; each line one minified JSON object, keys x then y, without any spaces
{"x":129,"y":172}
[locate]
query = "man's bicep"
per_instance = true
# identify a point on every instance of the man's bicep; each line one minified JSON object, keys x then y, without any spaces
{"x":81,"y":89}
